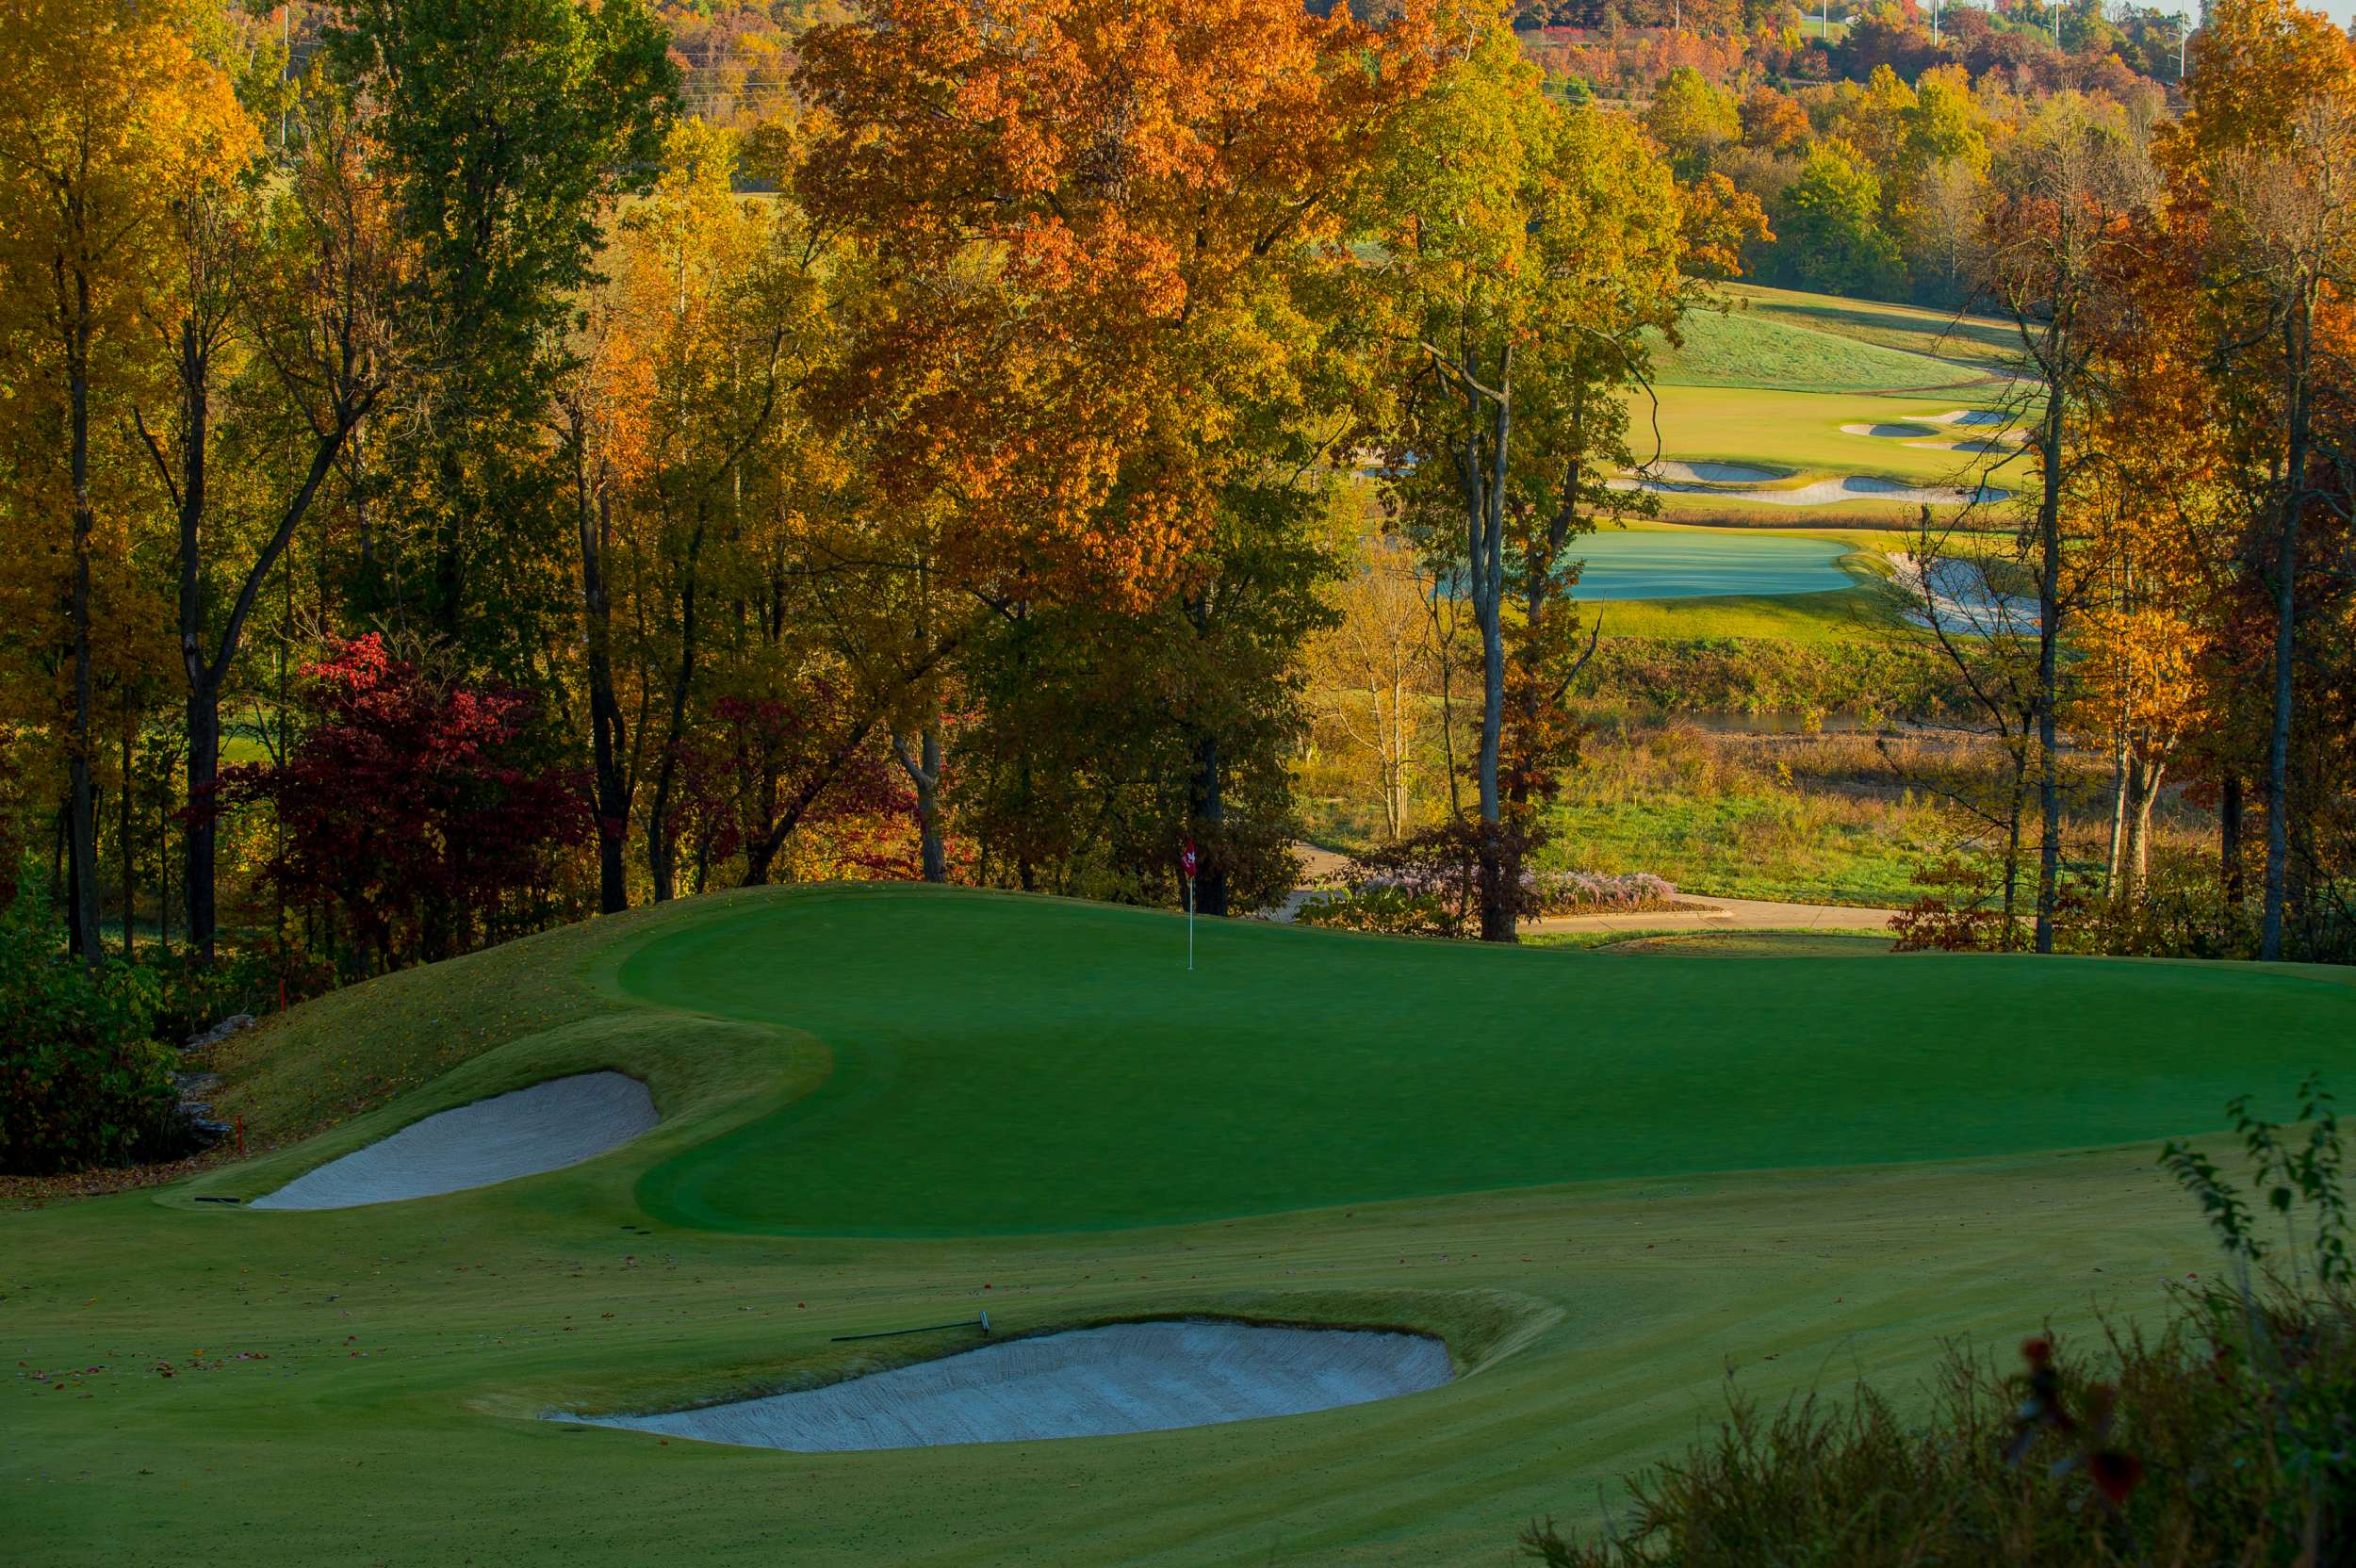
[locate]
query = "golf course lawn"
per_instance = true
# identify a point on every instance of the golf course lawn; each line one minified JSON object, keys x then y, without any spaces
{"x":1606,"y":1179}
{"x":1683,"y":564}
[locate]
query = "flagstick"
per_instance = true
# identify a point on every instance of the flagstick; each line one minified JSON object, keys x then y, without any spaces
{"x":1189,"y":925}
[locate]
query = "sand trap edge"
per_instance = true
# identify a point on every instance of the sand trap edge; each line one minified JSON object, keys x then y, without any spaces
{"x":1105,"y":1380}
{"x":527,"y":1132}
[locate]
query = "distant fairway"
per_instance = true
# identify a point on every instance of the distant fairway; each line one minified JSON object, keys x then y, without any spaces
{"x":1778,"y":348}
{"x":1007,"y":1065}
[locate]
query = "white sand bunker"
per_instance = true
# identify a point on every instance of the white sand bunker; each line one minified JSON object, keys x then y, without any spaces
{"x":546,"y":1127}
{"x":1824,"y":492}
{"x":1894,"y":431}
{"x":1956,"y":595}
{"x":1090,"y":1382}
{"x":1962,"y":417}
{"x":1717,"y":473}
{"x":2003,"y":443}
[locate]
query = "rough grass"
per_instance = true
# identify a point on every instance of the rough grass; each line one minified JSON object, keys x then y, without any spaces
{"x":368,"y":1384}
{"x":1838,"y":818}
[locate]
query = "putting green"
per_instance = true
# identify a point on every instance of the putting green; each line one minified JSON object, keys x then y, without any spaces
{"x":1006,"y":1065}
{"x":1684,"y":564}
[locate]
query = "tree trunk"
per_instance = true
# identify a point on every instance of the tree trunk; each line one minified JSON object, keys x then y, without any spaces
{"x":2048,"y":675}
{"x":1206,"y":806}
{"x":203,"y":834}
{"x":2285,"y":631}
{"x":605,"y":713}
{"x":662,"y":852}
{"x":82,"y":827}
{"x":123,"y":839}
{"x":2145,"y":790}
{"x":1482,"y":476}
{"x":923,"y":770}
{"x":2012,"y":843}
{"x":2118,"y":809}
{"x":2229,"y":831}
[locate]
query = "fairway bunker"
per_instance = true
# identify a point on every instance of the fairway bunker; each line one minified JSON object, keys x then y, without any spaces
{"x":1086,"y":1382}
{"x":1895,"y":432}
{"x":1963,"y":417}
{"x":1717,"y":473}
{"x":1823,"y":492}
{"x":546,"y":1127}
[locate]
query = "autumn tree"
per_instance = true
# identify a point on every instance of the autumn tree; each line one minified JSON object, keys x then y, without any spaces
{"x":280,"y":339}
{"x":1085,"y":230}
{"x":2265,"y":169}
{"x":108,"y":118}
{"x":503,"y":133}
{"x":1522,"y":252}
{"x":2069,"y":192}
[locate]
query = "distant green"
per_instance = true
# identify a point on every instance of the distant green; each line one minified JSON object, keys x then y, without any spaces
{"x":1655,"y":564}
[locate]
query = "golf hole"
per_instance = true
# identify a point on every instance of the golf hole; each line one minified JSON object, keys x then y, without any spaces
{"x":1085,"y":1382}
{"x":546,"y":1127}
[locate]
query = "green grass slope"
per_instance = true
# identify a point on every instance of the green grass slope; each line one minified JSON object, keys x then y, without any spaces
{"x":1982,"y":341}
{"x":196,"y":1384}
{"x":1771,"y":348}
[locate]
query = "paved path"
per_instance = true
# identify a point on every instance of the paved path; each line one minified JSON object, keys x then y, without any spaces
{"x":1727,"y":914}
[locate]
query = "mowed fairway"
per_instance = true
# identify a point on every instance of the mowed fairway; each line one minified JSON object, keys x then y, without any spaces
{"x":1024,"y":1065}
{"x":897,"y":1106}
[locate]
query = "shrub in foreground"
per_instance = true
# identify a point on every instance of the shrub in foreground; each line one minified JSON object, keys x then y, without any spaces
{"x":2228,"y":1436}
{"x":81,"y":1082}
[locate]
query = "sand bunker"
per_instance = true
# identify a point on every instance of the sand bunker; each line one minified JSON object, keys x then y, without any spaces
{"x":1974,"y":444}
{"x":1963,"y":417}
{"x":1894,"y":431}
{"x":1717,"y":473}
{"x":1091,"y":1382}
{"x":1852,"y":487}
{"x":546,"y":1127}
{"x":1956,"y":596}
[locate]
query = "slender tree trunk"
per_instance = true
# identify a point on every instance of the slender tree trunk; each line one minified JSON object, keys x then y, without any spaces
{"x":123,"y":839}
{"x":2229,"y":832}
{"x":2048,"y":675}
{"x":2018,"y":808}
{"x":82,"y":828}
{"x":605,"y":712}
{"x":1482,"y":475}
{"x":2285,"y":636}
{"x":662,"y":852}
{"x":1206,"y":804}
{"x":2144,"y":788}
{"x":2118,"y":809}
{"x":201,"y":834}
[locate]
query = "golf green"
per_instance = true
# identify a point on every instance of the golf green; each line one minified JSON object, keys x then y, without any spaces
{"x":1005,"y":1065}
{"x":1658,"y":564}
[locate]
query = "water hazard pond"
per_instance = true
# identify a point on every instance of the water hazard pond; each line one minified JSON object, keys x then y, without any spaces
{"x":1685,"y":564}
